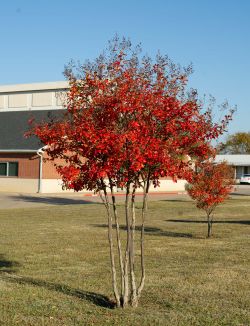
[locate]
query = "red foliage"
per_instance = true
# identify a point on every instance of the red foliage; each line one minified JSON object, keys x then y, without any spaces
{"x":127,"y":121}
{"x":211,"y":185}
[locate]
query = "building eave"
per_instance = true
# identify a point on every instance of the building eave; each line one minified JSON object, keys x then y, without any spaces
{"x":34,"y":87}
{"x":18,"y":150}
{"x":234,"y":159}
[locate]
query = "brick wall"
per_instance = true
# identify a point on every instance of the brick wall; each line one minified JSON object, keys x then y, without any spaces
{"x":49,"y":171}
{"x":28,"y":164}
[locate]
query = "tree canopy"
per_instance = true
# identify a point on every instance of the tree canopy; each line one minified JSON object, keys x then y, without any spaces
{"x":209,"y":186}
{"x":238,"y":143}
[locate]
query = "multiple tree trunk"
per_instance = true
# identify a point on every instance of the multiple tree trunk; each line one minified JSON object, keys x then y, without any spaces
{"x":123,"y":268}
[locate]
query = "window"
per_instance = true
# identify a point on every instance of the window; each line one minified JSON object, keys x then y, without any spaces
{"x":8,"y":169}
{"x":245,"y":169}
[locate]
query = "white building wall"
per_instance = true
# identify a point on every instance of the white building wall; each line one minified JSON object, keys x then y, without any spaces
{"x":169,"y":185}
{"x":30,"y":97}
{"x":18,"y":185}
{"x":55,"y":186}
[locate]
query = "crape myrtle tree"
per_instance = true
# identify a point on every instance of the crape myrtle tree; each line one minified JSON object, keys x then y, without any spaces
{"x":210,"y":185}
{"x":129,"y":122}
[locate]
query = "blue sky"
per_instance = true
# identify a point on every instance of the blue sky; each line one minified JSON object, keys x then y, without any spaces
{"x":38,"y":37}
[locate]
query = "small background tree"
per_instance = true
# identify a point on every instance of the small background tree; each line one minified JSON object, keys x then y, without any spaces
{"x":209,"y":186}
{"x":238,"y":143}
{"x":129,"y":122}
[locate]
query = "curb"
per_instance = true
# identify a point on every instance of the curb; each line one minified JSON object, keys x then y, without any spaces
{"x":141,"y":193}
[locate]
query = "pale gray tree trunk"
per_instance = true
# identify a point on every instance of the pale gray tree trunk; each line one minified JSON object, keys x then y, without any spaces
{"x":134,"y":299}
{"x":118,"y":238}
{"x":126,"y":258}
{"x":111,"y":246}
{"x":144,"y":210}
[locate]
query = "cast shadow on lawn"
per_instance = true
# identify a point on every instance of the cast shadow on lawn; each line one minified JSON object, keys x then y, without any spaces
{"x":52,"y":200}
{"x":187,"y":200}
{"x":245,"y":222}
{"x":151,"y":231}
{"x":8,"y":266}
{"x":95,"y":298}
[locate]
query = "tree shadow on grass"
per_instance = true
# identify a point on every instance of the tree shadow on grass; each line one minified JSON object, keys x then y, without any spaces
{"x":95,"y":298}
{"x":245,"y":222}
{"x":151,"y":231}
{"x":8,"y":266}
{"x":51,"y":200}
{"x":187,"y":200}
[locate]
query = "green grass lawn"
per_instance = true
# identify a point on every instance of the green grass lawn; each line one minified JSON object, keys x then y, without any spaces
{"x":54,"y":267}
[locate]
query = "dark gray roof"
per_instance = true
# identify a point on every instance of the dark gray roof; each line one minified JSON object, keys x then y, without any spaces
{"x":14,"y":124}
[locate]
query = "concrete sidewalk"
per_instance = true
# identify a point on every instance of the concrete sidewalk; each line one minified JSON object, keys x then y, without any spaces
{"x":17,"y":200}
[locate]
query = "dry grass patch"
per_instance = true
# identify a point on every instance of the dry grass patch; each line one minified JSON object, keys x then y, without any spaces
{"x":54,"y":267}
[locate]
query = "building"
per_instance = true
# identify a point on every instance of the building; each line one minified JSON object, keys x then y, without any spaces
{"x":21,"y":167}
{"x":240,"y":162}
